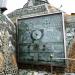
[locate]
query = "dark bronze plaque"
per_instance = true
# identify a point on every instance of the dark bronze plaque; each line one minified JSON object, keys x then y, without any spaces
{"x":41,"y":40}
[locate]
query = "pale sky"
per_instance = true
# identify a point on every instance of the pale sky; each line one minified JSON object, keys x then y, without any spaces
{"x":67,"y":5}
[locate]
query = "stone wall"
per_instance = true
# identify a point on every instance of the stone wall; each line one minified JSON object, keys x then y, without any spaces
{"x":8,"y":63}
{"x":70,"y":42}
{"x":30,"y":11}
{"x":37,"y":10}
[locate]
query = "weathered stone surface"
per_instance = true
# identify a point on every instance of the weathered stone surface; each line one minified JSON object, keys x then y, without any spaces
{"x":31,"y":72}
{"x":70,"y":31}
{"x":7,"y":49}
{"x":33,"y":8}
{"x":70,"y":42}
{"x":71,"y":55}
